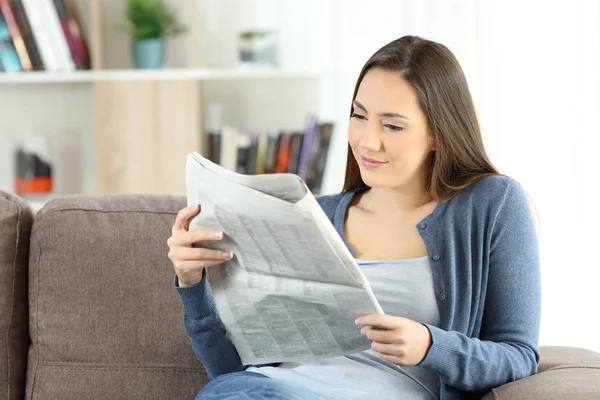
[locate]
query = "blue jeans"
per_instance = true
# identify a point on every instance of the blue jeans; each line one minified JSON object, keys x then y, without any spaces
{"x":251,"y":385}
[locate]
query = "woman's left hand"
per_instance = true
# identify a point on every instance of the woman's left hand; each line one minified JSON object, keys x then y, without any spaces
{"x":398,"y":340}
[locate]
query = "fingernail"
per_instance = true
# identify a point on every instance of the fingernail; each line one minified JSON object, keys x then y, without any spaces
{"x":362,"y":331}
{"x":218,"y":235}
{"x":357,"y":322}
{"x":199,"y":206}
{"x":227,"y":255}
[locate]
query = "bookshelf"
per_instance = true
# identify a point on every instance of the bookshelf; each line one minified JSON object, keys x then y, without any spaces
{"x":140,"y":122}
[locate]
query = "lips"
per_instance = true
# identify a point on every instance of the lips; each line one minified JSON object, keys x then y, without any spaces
{"x":371,"y":163}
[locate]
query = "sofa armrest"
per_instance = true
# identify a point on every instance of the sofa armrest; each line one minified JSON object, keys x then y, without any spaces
{"x":564,"y":373}
{"x":16,"y":220}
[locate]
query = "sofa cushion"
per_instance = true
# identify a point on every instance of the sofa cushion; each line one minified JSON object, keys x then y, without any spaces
{"x":563,"y":373}
{"x":106,"y":321}
{"x":16,"y":219}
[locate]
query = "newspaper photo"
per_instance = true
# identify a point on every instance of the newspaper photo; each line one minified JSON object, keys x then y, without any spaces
{"x":292,"y":290}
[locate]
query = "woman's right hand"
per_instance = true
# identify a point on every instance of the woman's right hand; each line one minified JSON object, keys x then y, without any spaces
{"x":189,"y":262}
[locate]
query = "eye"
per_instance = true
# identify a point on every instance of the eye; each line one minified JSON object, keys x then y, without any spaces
{"x":358,"y":116}
{"x":394,"y":128}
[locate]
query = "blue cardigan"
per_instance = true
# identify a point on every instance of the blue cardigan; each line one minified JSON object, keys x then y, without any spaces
{"x":484,"y":257}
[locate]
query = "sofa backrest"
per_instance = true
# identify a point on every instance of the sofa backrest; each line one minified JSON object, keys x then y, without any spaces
{"x":105,"y":319}
{"x":16,"y":219}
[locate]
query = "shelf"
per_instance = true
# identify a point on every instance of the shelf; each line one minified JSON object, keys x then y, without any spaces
{"x":158,"y":74}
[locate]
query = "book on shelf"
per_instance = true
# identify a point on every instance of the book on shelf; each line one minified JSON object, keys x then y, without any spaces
{"x":303,"y":153}
{"x":41,"y":35}
{"x":9,"y":59}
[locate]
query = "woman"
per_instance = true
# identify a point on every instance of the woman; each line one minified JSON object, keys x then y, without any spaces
{"x":447,"y":243}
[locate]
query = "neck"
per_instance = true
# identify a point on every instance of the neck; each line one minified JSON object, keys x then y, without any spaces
{"x":405,"y":198}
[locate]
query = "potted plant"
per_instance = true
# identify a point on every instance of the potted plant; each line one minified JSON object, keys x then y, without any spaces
{"x":149,"y":22}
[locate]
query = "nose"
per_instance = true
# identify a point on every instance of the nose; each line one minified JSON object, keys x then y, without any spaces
{"x":371,"y":139}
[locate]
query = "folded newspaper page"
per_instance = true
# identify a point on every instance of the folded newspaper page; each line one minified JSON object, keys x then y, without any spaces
{"x":292,"y":290}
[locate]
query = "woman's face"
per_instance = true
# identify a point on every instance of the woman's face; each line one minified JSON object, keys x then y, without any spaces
{"x":388,"y":131}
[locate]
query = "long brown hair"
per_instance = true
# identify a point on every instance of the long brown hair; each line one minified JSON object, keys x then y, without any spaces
{"x":459,"y":159}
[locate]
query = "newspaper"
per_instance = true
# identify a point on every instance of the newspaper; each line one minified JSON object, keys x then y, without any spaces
{"x":292,"y":290}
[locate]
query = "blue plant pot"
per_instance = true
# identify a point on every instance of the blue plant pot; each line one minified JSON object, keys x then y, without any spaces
{"x":148,"y":53}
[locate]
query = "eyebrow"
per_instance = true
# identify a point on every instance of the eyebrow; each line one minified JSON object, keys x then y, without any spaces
{"x":386,"y":114}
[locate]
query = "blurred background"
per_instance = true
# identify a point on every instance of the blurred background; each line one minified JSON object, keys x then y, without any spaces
{"x":108,"y":96}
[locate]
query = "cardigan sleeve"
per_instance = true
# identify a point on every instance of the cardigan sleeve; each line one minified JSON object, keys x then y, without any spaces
{"x":206,"y":331}
{"x":507,"y":347}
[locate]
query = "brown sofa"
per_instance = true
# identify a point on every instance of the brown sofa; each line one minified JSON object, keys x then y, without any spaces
{"x":88,"y":309}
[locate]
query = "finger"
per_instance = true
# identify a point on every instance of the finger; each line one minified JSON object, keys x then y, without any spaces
{"x":198,"y":253}
{"x":379,"y":320}
{"x":188,"y":238}
{"x":378,"y":335}
{"x":189,"y":266}
{"x":387,"y":349}
{"x":183,"y":216}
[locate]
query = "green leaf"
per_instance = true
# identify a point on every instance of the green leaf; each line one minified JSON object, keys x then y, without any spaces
{"x":149,"y":19}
